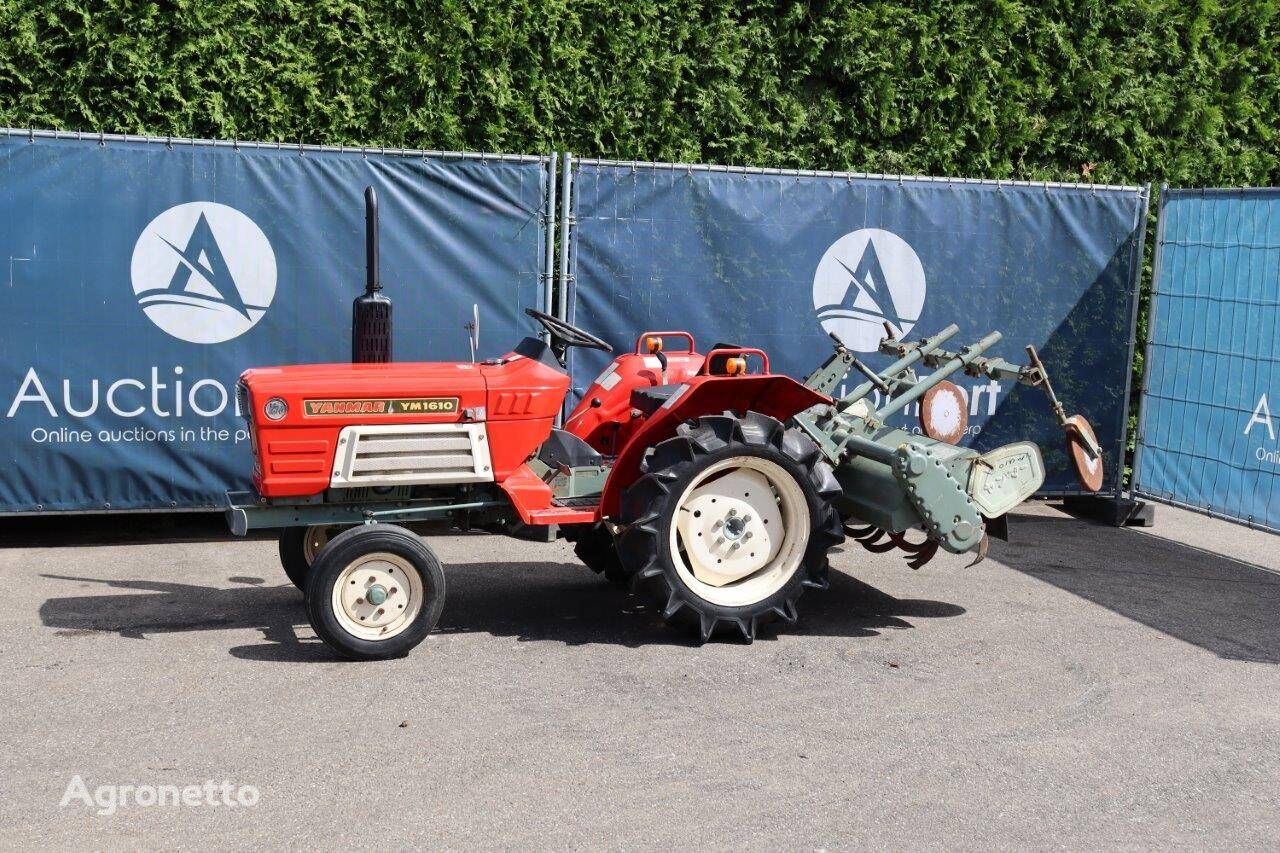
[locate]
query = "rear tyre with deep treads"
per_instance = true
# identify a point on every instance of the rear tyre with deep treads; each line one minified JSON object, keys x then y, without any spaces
{"x":596,"y":549}
{"x":729,"y":523}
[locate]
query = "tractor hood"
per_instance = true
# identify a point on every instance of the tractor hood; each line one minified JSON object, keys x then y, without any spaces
{"x":297,"y":413}
{"x":395,"y":380}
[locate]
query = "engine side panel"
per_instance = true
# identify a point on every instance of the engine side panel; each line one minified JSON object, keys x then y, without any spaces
{"x":294,"y":455}
{"x":524,"y":396}
{"x":516,"y":400}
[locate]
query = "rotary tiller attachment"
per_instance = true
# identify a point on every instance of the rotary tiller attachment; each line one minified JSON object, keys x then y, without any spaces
{"x":894,"y":480}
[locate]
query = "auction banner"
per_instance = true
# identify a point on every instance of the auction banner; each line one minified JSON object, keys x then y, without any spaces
{"x":1209,"y":430}
{"x":777,"y":259}
{"x":141,"y":276}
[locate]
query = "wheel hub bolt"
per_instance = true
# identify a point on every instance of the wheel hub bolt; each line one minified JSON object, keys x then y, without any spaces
{"x":734,"y":527}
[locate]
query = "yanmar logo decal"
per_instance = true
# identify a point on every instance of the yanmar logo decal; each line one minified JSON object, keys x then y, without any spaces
{"x":399,"y":406}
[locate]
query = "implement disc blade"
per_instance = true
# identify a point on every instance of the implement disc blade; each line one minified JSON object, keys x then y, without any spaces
{"x":1088,"y":470}
{"x":944,"y":412}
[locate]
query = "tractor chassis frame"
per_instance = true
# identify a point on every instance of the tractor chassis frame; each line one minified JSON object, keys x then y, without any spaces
{"x":247,"y":511}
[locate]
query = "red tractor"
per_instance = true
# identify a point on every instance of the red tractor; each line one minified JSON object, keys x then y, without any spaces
{"x":703,"y":481}
{"x":675,"y":473}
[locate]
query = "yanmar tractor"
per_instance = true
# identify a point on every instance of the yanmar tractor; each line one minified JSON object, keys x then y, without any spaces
{"x":702,"y":480}
{"x":719,"y":510}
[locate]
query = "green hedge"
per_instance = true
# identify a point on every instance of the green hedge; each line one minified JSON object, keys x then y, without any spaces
{"x":1122,"y":91}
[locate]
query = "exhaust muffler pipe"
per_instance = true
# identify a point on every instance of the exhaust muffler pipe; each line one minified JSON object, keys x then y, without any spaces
{"x":371,"y":312}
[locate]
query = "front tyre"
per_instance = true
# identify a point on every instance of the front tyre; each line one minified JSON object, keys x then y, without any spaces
{"x":730,"y":522}
{"x":375,"y":592}
{"x":299,"y":547}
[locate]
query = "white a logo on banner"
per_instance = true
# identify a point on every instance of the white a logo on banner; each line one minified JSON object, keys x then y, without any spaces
{"x":865,"y":279}
{"x":203,"y":272}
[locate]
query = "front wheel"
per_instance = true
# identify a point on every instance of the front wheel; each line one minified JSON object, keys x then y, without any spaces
{"x":299,"y":547}
{"x":730,"y":522}
{"x":375,"y":592}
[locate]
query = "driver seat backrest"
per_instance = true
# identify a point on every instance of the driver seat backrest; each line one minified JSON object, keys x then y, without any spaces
{"x":681,"y":367}
{"x":649,"y":400}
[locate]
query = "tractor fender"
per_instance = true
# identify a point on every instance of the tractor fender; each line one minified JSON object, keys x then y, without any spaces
{"x":770,"y":394}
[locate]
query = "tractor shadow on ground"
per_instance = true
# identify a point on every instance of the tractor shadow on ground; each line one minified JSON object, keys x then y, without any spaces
{"x":532,"y":602}
{"x":1226,"y":606}
{"x":121,"y":529}
{"x":562,"y":602}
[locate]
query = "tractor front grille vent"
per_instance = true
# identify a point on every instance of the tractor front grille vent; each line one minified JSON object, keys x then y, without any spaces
{"x":419,"y":453}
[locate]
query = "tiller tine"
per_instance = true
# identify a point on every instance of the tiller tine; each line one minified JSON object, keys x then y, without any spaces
{"x":919,"y":553}
{"x":980,"y":553}
{"x":869,"y":538}
{"x":875,"y":546}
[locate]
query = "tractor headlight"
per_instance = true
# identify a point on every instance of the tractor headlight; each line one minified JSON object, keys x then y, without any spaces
{"x":275,"y":409}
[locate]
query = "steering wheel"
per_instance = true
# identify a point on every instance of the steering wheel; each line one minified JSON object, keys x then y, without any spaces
{"x":564,"y":336}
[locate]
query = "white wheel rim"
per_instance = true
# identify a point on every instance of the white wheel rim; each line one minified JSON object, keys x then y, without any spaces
{"x":377,"y":596}
{"x":316,"y":537}
{"x":740,"y":531}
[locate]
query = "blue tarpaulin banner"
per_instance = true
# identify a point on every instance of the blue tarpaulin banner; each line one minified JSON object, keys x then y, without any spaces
{"x":1208,"y":437}
{"x":141,"y":277}
{"x":776,"y":260}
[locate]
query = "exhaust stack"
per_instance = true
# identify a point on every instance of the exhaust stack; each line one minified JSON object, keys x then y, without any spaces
{"x":371,"y":312}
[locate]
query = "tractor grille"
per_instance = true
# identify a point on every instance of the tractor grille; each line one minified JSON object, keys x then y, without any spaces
{"x":403,"y":455}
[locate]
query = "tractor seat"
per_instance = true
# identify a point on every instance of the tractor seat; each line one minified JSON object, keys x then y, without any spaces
{"x":649,"y":400}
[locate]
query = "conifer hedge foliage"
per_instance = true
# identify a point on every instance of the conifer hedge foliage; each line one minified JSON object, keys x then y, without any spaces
{"x":1115,"y":91}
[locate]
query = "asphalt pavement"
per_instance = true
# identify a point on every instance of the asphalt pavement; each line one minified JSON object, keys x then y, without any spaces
{"x":1085,"y":687}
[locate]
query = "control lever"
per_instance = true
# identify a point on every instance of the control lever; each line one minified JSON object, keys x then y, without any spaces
{"x":655,"y":350}
{"x":1086,"y":441}
{"x":872,"y":376}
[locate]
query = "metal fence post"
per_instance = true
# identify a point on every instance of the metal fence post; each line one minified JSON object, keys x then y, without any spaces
{"x":549,"y":249}
{"x":566,"y":237}
{"x":1134,"y":484}
{"x":1144,"y":210}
